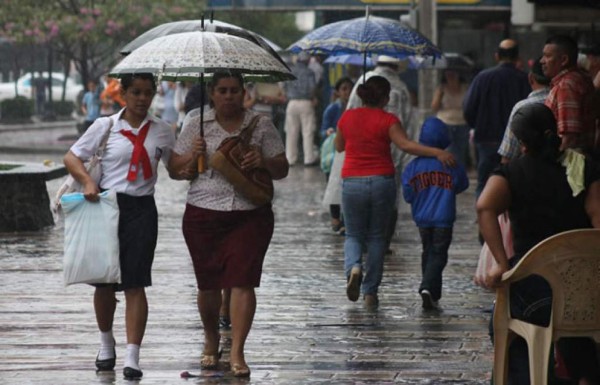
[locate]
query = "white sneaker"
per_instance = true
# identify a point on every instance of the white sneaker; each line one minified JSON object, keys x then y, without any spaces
{"x":428,"y":302}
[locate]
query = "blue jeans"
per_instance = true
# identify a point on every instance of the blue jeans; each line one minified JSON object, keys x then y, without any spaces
{"x":487,"y":160}
{"x":459,"y":142}
{"x":367,"y":203}
{"x":436,"y":241}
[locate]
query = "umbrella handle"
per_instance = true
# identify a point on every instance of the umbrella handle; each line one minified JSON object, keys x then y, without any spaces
{"x":201,"y":164}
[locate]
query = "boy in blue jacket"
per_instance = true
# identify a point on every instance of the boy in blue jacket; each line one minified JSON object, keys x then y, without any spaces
{"x":431,"y":189}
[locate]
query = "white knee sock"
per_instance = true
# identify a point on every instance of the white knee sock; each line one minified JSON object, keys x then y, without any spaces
{"x":132,"y":358}
{"x":107,"y":345}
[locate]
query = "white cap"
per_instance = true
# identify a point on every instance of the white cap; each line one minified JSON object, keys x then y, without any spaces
{"x":400,"y":64}
{"x":387,"y":59}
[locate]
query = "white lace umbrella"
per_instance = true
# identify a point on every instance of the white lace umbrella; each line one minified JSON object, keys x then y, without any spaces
{"x":198,"y":25}
{"x":192,"y":55}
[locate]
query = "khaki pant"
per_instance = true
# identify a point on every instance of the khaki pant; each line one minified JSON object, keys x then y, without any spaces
{"x":300,"y":118}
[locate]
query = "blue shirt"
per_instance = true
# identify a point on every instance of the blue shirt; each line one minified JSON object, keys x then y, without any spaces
{"x":331,"y":115}
{"x":490,"y":99}
{"x":91,"y":101}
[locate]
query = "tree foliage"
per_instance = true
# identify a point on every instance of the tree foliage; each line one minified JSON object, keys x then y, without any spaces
{"x":89,"y":33}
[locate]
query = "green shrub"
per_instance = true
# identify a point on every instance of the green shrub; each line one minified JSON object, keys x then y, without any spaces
{"x":62,"y":108}
{"x":17,"y":109}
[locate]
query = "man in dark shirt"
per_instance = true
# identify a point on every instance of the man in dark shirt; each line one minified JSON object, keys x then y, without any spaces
{"x":193,"y":99}
{"x":40,"y":84}
{"x":488,"y":104}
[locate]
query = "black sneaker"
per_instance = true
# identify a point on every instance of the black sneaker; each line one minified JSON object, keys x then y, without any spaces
{"x":131,"y":373}
{"x":353,"y":286}
{"x":428,"y":302}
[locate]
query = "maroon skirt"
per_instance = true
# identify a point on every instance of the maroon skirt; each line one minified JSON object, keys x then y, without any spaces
{"x":227,"y":247}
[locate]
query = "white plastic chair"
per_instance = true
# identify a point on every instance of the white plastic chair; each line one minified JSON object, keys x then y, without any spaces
{"x":570,"y":262}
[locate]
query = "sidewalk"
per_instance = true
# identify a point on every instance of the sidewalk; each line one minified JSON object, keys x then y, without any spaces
{"x":305,"y":330}
{"x":38,"y":137}
{"x":36,"y":124}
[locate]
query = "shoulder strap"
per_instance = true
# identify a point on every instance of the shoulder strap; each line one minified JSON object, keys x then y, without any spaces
{"x":246,"y":133}
{"x":104,"y":141}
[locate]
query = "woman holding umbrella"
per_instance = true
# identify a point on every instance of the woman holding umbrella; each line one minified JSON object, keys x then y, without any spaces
{"x":369,"y":187}
{"x":227,"y":236}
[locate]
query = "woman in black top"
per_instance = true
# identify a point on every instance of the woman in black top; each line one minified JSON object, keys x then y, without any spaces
{"x":541,"y":202}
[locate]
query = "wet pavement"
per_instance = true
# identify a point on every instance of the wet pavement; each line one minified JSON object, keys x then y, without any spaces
{"x":305,"y":330}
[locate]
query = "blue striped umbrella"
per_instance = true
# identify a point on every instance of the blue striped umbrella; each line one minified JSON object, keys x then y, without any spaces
{"x":366,"y":35}
{"x":353,"y":59}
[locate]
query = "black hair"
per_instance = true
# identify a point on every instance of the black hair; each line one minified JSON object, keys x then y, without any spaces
{"x":127,"y":80}
{"x":459,"y":73}
{"x":223,"y":75}
{"x":343,"y":80}
{"x":374,"y":91}
{"x":538,"y":74}
{"x":535,"y":126}
{"x":511,"y":53}
{"x":566,"y":45}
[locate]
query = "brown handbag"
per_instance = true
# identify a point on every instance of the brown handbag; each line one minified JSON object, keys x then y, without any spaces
{"x":256,"y":185}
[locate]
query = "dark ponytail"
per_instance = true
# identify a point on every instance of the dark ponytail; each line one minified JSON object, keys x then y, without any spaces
{"x":374,"y":91}
{"x":535,"y":126}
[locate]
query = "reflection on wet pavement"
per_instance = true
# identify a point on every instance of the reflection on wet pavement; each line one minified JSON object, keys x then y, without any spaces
{"x":305,"y":330}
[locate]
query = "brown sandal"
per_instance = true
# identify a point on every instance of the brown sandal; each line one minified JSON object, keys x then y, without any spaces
{"x":210,"y":361}
{"x":240,"y":371}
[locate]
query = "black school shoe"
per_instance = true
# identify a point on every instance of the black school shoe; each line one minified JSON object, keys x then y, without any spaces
{"x":131,"y":373}
{"x":107,"y":364}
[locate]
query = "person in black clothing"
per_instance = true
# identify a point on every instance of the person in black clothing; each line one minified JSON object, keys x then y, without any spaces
{"x":541,"y":202}
{"x":488,"y":103}
{"x":193,"y":99}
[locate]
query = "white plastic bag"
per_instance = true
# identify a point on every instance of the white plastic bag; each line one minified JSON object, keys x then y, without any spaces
{"x":91,"y":239}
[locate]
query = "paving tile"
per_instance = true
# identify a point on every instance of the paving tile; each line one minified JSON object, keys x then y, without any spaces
{"x":305,"y":330}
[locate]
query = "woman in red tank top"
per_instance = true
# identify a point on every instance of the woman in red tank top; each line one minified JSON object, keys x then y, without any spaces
{"x":369,"y":187}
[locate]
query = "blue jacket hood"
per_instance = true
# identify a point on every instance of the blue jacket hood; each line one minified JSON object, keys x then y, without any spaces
{"x":434,"y":133}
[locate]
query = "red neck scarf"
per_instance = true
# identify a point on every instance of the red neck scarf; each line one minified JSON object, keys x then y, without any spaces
{"x":140,"y":155}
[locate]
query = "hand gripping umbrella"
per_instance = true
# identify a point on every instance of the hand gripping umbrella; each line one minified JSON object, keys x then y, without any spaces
{"x":193,"y":55}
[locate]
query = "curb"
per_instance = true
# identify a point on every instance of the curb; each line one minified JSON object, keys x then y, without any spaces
{"x":31,"y":150}
{"x":38,"y":126}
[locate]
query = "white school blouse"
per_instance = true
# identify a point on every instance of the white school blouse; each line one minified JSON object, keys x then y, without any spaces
{"x":117,"y":155}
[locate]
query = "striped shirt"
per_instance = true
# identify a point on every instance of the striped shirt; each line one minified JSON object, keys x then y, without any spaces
{"x":303,"y":88}
{"x":509,"y":148}
{"x":569,"y":100}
